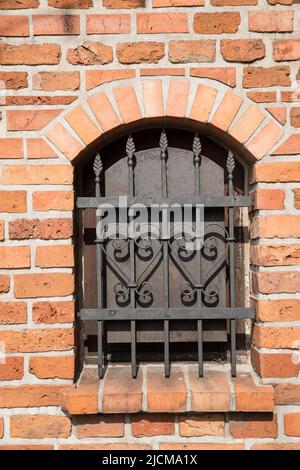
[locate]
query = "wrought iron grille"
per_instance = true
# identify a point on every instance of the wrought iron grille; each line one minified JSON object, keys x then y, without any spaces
{"x":134,"y":292}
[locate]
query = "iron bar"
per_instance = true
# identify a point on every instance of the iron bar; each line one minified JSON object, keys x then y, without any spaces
{"x":230,"y":169}
{"x":197,"y":164}
{"x":130,"y":150}
{"x":165,"y":225}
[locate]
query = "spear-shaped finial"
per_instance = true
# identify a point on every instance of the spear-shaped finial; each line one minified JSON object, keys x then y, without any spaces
{"x":197,"y":147}
{"x":163,"y":143}
{"x":130,"y":150}
{"x":230,"y":165}
{"x":97,"y":167}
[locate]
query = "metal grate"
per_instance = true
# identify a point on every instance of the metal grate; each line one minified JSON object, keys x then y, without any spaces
{"x":134,"y":291}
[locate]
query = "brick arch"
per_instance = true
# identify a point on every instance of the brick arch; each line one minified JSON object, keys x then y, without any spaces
{"x":237,"y":122}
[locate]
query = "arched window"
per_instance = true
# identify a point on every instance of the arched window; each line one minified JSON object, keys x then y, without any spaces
{"x":168,"y":295}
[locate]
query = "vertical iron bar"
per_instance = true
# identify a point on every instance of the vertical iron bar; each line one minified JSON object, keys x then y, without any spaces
{"x":98,"y":167}
{"x":130,"y":150}
{"x":230,"y":169}
{"x":164,"y":189}
{"x":197,"y":164}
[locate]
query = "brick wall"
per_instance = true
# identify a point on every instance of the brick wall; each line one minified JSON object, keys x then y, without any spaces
{"x":72,"y":70}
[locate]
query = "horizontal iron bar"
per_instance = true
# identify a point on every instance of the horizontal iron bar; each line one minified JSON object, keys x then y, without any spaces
{"x":207,"y":201}
{"x":166,"y":313}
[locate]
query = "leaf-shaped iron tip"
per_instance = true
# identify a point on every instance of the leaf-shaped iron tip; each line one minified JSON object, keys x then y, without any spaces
{"x":98,"y":166}
{"x":163,"y":143}
{"x":230,"y":165}
{"x":197,"y":145}
{"x":130,"y":147}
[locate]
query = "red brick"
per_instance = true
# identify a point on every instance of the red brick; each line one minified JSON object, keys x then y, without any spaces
{"x":53,"y":312}
{"x":1,"y":428}
{"x":291,"y":146}
{"x":265,"y":21}
{"x":247,"y":124}
{"x":295,"y":117}
{"x":279,"y":113}
{"x":276,"y":282}
{"x":276,"y":171}
{"x":99,"y":426}
{"x":262,"y":96}
{"x":280,"y":226}
{"x":276,"y":255}
{"x":225,"y":75}
{"x":14,"y":80}
{"x":276,"y":337}
{"x":279,"y":310}
{"x":37,"y":174}
{"x":4,"y":283}
{"x":39,"y":426}
{"x":90,"y":53}
{"x":13,"y":447}
{"x":12,"y":369}
{"x":250,"y":397}
{"x":18,"y":4}
{"x":287,"y":393}
{"x":127,"y":102}
{"x":30,"y":54}
{"x":14,"y":25}
{"x":95,"y":78}
{"x":210,"y":424}
{"x":166,"y":395}
{"x":53,"y":81}
{"x":82,"y":400}
{"x":233,"y":3}
{"x":48,"y":25}
{"x":38,"y":340}
{"x":56,"y":367}
{"x":53,"y":200}
{"x":170,"y":446}
{"x":105,"y":447}
{"x":192,"y":51}
{"x":177,"y":97}
{"x":122,"y":393}
{"x":290,"y":96}
{"x":44,"y":229}
{"x":261,"y":77}
{"x":140,"y":52}
{"x":268,"y":199}
{"x":251,"y":425}
{"x":153,"y":23}
{"x":148,"y":425}
{"x":286,"y":49}
{"x":153,"y":72}
{"x":152,"y":98}
{"x":37,"y":100}
{"x":176,"y":3}
{"x":13,"y":313}
{"x":11,"y":148}
{"x":216,"y":23}
{"x":54,"y":256}
{"x":211,"y":393}
{"x":73,"y":4}
{"x":108,"y":24}
{"x":226,"y":111}
{"x":242,"y":50}
{"x":118,"y":4}
{"x":43,"y":285}
{"x":30,"y":120}
{"x":13,"y":201}
{"x":83,"y":125}
{"x":23,"y":396}
{"x":292,"y":424}
{"x":38,"y":148}
{"x":1,"y":230}
{"x":203,"y":103}
{"x":14,"y":257}
{"x":64,"y":141}
{"x":278,"y":445}
{"x":274,"y":365}
{"x":104,"y":112}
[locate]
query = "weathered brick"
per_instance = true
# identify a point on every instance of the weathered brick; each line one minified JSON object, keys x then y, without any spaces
{"x":250,"y":397}
{"x":53,"y":81}
{"x":265,"y":21}
{"x":295,"y":117}
{"x":211,"y":393}
{"x":18,"y":4}
{"x":45,"y":229}
{"x":210,"y":424}
{"x":271,"y":226}
{"x":14,"y":80}
{"x":276,"y":337}
{"x":39,"y":426}
{"x":54,"y":256}
{"x":30,"y":120}
{"x":286,"y":49}
{"x":152,"y":425}
{"x":260,"y":77}
{"x":37,"y":100}
{"x":265,"y":139}
{"x":83,"y":125}
{"x":53,"y":200}
{"x":279,"y":113}
{"x":271,"y":172}
{"x":23,"y":396}
{"x":53,"y":312}
{"x":43,"y":285}
{"x":108,"y":24}
{"x":271,"y":365}
{"x":90,"y":53}
{"x":291,"y":146}
{"x":177,"y":3}
{"x":287,"y":393}
{"x":117,"y":4}
{"x":38,"y":148}
{"x":30,"y":54}
{"x":12,"y":369}
{"x":122,"y":393}
{"x":192,"y":51}
{"x":57,"y":367}
{"x":140,"y":52}
{"x":14,"y":257}
{"x":13,"y":201}
{"x":94,"y":78}
{"x":15,"y":25}
{"x":11,"y":148}
{"x":37,"y":340}
{"x":171,"y":446}
{"x":4,"y":283}
{"x":232,"y":3}
{"x":105,"y":447}
{"x":268,"y":199}
{"x":72,"y":4}
{"x":216,"y":23}
{"x":48,"y":25}
{"x":276,"y":255}
{"x":292,"y":424}
{"x":153,"y":23}
{"x":252,"y":425}
{"x":100,"y":426}
{"x":262,"y":96}
{"x":1,"y":428}
{"x":278,"y":310}
{"x":13,"y":313}
{"x":271,"y":446}
{"x":37,"y":174}
{"x":242,"y":50}
{"x":225,"y":75}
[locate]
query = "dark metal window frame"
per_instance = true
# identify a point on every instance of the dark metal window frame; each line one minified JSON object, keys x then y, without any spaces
{"x":165,"y":313}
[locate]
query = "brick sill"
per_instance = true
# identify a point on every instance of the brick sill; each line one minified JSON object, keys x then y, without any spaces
{"x":151,"y":392}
